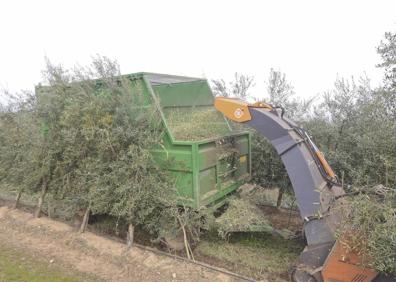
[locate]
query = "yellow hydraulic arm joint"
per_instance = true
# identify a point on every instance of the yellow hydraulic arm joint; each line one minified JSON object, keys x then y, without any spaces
{"x":236,"y":109}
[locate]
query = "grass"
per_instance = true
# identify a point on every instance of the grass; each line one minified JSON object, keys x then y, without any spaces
{"x":252,"y":254}
{"x":17,"y":266}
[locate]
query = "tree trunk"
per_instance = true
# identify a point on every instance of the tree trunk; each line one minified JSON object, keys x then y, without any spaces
{"x":280,"y":196}
{"x":131,"y":230}
{"x":85,"y":220}
{"x":44,"y":188}
{"x":18,"y":197}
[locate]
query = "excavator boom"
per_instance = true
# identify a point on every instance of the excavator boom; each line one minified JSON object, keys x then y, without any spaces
{"x":315,"y":184}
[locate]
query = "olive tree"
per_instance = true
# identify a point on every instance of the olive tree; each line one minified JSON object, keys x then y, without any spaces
{"x":85,"y":138}
{"x":107,"y":132}
{"x":237,"y":88}
{"x":18,"y":137}
{"x":387,"y":51}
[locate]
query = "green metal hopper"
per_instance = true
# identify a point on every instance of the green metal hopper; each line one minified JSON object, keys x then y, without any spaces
{"x":207,"y":159}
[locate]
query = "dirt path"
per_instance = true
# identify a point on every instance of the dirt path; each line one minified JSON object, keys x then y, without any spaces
{"x":88,"y":253}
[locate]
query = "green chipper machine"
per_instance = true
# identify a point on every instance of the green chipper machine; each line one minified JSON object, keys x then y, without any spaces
{"x":207,"y":159}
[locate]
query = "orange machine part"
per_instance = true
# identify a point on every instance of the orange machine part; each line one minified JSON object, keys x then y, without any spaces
{"x":233,"y":109}
{"x":345,"y":266}
{"x":325,"y":164}
{"x":236,"y":109}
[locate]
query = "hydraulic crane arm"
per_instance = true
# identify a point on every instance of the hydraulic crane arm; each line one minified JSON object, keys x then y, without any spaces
{"x":315,"y":185}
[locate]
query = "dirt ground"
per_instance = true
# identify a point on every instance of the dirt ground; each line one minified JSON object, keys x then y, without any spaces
{"x":282,"y":218}
{"x":98,"y":257}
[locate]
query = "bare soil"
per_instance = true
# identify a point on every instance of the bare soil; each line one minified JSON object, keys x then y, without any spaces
{"x":98,"y":257}
{"x":282,"y":218}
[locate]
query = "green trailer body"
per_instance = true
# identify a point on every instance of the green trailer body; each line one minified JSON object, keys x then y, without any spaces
{"x":207,"y":159}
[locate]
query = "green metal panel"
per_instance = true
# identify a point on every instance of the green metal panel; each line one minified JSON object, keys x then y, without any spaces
{"x":207,"y":182}
{"x":184,"y":94}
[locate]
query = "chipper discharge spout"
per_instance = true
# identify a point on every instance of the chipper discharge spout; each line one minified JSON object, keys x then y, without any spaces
{"x":315,"y":185}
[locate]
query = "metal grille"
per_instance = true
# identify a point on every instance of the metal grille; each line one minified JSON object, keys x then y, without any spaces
{"x":359,"y":278}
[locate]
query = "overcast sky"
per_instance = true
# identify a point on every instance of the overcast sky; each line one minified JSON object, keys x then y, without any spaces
{"x":311,"y":41}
